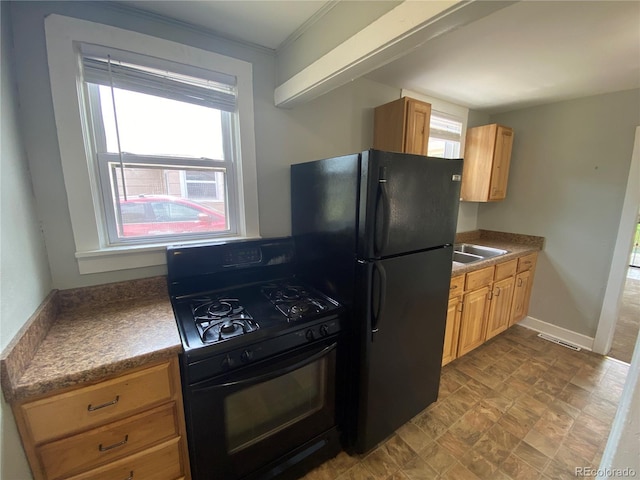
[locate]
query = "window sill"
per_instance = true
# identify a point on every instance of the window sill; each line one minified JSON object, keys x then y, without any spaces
{"x":110,"y":259}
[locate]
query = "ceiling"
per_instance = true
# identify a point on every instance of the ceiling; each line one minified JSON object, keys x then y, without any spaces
{"x":528,"y":53}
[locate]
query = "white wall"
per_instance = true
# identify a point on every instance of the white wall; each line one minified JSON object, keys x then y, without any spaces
{"x":567,"y":182}
{"x":24,"y":276}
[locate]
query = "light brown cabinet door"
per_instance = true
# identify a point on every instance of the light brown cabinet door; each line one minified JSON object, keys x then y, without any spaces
{"x":521,"y":295}
{"x":501,"y":162}
{"x":402,"y":126}
{"x":487,"y":158}
{"x":417,"y":132}
{"x":452,"y":329}
{"x":473,"y":323}
{"x":500,"y":309}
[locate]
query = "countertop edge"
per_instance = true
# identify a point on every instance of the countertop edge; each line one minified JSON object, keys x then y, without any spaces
{"x":63,"y":383}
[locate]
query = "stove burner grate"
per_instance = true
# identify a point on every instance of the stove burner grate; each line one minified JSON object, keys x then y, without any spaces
{"x":221,"y":319}
{"x":293,"y":301}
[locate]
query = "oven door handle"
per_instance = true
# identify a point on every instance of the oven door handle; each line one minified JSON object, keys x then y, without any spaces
{"x":252,"y":380}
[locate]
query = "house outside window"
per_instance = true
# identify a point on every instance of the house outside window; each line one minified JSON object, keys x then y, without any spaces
{"x":156,"y":141}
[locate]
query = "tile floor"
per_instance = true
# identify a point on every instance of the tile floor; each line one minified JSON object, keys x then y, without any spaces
{"x":518,"y":407}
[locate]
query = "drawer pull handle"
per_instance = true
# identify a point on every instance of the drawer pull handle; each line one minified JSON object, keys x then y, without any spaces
{"x":130,"y":477}
{"x":110,"y":447}
{"x":91,"y":408}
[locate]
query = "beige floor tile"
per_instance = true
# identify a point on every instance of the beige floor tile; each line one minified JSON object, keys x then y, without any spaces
{"x":530,"y":404}
{"x":439,"y":458}
{"x":380,"y":463}
{"x":459,"y":472}
{"x":518,"y":469}
{"x":432,"y":427}
{"x":554,"y":425}
{"x":418,"y":469}
{"x":454,"y":444}
{"x":415,"y":437}
{"x":542,"y":443}
{"x":532,"y":456}
{"x":399,"y":451}
{"x":479,"y":465}
{"x":357,"y":472}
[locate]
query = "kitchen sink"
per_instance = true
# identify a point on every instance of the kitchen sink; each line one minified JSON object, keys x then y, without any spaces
{"x":462,"y":257}
{"x":477,"y":250}
{"x":470,"y":253}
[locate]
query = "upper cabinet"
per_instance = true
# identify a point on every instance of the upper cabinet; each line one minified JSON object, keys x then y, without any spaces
{"x":486,"y":163}
{"x":402,"y":126}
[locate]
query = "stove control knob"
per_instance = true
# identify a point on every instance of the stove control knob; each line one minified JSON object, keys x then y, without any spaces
{"x":227,"y":362}
{"x":310,"y":335}
{"x":324,"y":330}
{"x":246,"y":356}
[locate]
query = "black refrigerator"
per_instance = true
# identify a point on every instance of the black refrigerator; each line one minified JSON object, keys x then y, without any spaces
{"x":375,"y":230}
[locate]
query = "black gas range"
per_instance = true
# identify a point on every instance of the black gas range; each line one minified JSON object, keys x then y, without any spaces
{"x":262,"y":381}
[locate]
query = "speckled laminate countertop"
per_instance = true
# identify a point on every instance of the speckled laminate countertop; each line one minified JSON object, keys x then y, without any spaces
{"x":516,"y":245}
{"x":86,"y":335}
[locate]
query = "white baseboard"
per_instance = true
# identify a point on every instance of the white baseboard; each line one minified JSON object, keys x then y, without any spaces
{"x":568,"y":336}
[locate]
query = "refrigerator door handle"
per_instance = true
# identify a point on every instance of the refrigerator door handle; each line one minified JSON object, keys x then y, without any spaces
{"x":382,"y":294}
{"x":381,"y":231}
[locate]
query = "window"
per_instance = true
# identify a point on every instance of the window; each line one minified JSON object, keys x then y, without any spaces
{"x":161,"y":132}
{"x":156,"y":141}
{"x":445,"y":136}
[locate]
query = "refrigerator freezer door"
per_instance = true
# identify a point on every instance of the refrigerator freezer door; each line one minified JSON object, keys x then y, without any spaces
{"x":401,"y":341}
{"x":407,"y":203}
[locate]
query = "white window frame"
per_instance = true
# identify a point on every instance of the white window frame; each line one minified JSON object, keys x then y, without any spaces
{"x":64,"y":36}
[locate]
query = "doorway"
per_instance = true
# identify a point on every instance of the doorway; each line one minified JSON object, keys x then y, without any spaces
{"x":627,"y":230}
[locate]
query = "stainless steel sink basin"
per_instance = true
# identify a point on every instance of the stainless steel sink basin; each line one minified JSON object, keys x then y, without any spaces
{"x":461,"y":257}
{"x":478,"y":250}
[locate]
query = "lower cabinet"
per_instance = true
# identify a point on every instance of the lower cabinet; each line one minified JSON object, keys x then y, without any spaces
{"x":475,"y":309}
{"x":523,"y":285}
{"x":485,"y":302}
{"x":127,"y":427}
{"x":501,"y":298}
{"x":454,"y":313}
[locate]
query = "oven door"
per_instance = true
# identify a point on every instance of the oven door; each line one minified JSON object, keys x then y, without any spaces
{"x":252,"y":418}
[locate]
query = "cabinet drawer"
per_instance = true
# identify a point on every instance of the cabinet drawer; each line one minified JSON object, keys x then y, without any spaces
{"x":456,"y":286}
{"x":479,"y":278}
{"x":505,"y":270}
{"x":527,"y":262}
{"x":73,"y":411}
{"x":162,"y":462}
{"x":105,"y":444}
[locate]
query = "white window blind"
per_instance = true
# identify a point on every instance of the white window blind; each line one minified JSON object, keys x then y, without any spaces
{"x":208,"y":89}
{"x":445,"y":128}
